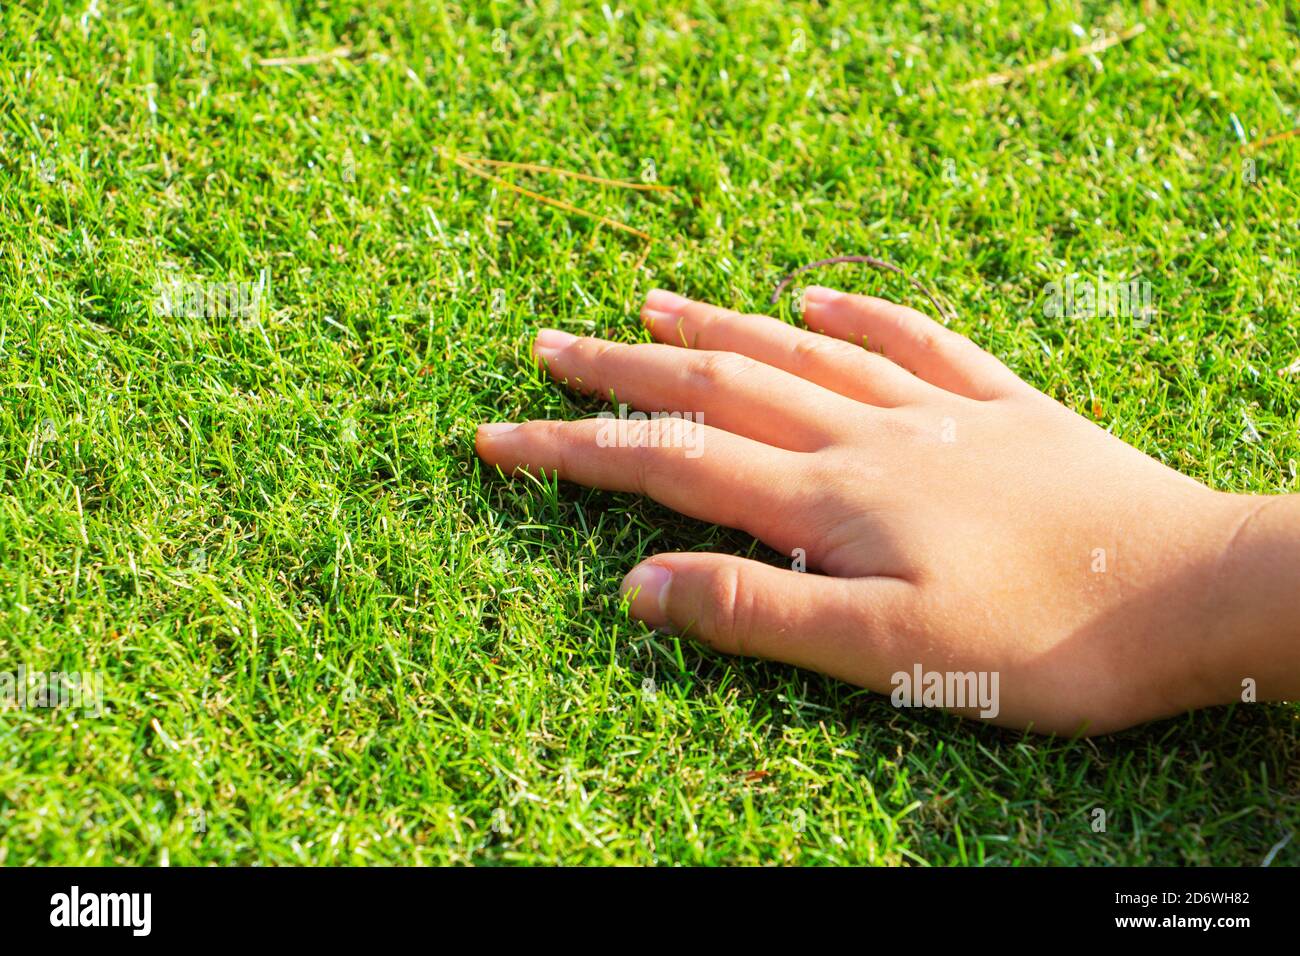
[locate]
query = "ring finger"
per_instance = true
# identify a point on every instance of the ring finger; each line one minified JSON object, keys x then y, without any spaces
{"x":724,"y":389}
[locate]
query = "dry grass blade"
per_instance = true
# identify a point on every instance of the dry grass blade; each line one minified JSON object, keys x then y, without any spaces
{"x":557,"y":203}
{"x":338,"y":53}
{"x":554,"y":171}
{"x":875,"y":264}
{"x":1011,"y":76}
{"x":1270,"y":140}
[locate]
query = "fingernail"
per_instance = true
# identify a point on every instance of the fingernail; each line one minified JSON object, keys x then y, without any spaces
{"x":819,"y":295}
{"x":660,"y":304}
{"x":493,"y":429}
{"x":549,"y":342}
{"x":647,"y":585}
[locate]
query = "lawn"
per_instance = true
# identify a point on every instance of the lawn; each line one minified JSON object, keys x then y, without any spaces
{"x":327,"y":635}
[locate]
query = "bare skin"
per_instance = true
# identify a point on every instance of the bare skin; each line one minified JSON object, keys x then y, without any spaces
{"x":958,"y":518}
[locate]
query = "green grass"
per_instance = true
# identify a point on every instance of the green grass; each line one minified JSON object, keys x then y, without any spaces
{"x":273,"y":538}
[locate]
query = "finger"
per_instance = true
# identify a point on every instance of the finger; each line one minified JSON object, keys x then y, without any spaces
{"x":729,"y":391}
{"x":695,"y":469}
{"x":833,"y":364}
{"x":914,"y":341}
{"x":845,"y":627}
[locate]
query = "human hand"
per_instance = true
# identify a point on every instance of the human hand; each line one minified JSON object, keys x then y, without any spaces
{"x":961,"y":520}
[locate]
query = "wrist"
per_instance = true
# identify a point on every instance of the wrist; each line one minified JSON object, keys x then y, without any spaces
{"x":1252,"y":604}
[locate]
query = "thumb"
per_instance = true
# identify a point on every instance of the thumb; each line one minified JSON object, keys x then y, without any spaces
{"x":844,"y":627}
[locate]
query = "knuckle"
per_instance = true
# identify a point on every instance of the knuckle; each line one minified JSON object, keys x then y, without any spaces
{"x":729,"y":612}
{"x":645,"y":455}
{"x":640,"y":432}
{"x":643,"y":469}
{"x":712,"y":370}
{"x":929,"y":340}
{"x":704,"y":323}
{"x":561,"y":442}
{"x":540,"y":441}
{"x":597,"y":350}
{"x":814,"y":350}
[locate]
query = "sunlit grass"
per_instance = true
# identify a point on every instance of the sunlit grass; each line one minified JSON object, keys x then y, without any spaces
{"x":272,"y":537}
